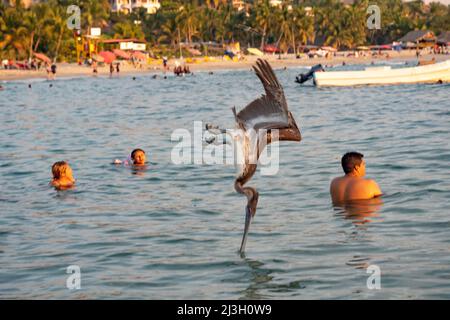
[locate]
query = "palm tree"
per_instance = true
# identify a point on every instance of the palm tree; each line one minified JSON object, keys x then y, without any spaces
{"x":303,"y":27}
{"x":128,"y":29}
{"x":153,"y":25}
{"x":42,"y":12}
{"x":187,"y":19}
{"x":230,"y":19}
{"x":169,"y":32}
{"x":439,"y":17}
{"x":98,"y":13}
{"x":283,"y":26}
{"x":59,"y":26}
{"x":15,"y":34}
{"x":263,"y":19}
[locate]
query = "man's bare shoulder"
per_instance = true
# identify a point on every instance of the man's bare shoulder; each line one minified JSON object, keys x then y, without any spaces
{"x":373,"y":185}
{"x":368,"y":183}
{"x":337,"y":180}
{"x":363,"y":189}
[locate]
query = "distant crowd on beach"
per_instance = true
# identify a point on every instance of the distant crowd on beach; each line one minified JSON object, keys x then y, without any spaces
{"x":32,"y":64}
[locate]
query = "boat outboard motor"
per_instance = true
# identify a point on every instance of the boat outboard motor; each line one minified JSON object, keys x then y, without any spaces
{"x":303,"y":77}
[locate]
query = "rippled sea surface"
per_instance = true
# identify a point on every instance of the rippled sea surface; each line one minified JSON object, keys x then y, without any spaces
{"x":173,"y":231}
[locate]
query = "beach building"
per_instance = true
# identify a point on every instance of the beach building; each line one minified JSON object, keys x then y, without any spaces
{"x":124,"y":44}
{"x":127,"y":6}
{"x":418,"y":38}
{"x":444,"y":38}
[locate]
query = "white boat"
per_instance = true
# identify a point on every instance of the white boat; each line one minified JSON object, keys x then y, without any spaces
{"x":431,"y":73}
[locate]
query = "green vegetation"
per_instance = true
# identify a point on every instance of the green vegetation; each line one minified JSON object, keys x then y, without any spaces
{"x":42,"y":27}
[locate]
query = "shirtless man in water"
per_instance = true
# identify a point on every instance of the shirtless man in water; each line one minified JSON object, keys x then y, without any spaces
{"x":353,"y":186}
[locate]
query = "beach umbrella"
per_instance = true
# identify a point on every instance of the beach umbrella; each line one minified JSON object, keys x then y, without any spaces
{"x":108,"y":56}
{"x":42,"y":57}
{"x":139,"y":55}
{"x":98,"y":58}
{"x":122,"y":54}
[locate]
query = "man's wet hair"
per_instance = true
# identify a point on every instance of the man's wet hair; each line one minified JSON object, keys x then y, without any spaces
{"x":134,"y":152}
{"x":59,"y":169}
{"x":350,"y":160}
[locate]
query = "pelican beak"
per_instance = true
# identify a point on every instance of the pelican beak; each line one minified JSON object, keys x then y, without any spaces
{"x":248,"y":221}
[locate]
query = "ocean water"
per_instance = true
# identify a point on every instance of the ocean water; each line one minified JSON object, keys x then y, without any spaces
{"x":174,"y":230}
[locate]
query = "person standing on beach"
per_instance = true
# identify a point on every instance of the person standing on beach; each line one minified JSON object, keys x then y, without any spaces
{"x":117,"y":68}
{"x":94,"y":68}
{"x":53,"y":71}
{"x":47,"y":69}
{"x":111,"y":69}
{"x":353,"y":186}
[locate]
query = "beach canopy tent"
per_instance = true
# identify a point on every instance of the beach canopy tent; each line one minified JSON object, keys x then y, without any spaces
{"x":108,"y":56}
{"x":122,"y":54}
{"x":421,"y":38}
{"x":270,"y":48}
{"x":444,"y":39}
{"x":42,"y":57}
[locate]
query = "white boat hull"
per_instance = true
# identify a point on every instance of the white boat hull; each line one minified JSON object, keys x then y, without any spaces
{"x":432,"y":73}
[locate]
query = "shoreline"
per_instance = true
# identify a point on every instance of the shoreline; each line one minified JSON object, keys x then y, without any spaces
{"x":72,"y":70}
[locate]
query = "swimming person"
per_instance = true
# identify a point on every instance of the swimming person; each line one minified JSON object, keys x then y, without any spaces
{"x":62,"y":175}
{"x":353,"y":186}
{"x":137,"y":158}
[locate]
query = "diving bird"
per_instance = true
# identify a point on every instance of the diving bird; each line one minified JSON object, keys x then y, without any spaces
{"x":269,"y":120}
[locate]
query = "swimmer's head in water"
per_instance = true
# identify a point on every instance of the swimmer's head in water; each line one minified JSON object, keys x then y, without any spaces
{"x":138,"y":157}
{"x":352,"y":162}
{"x":61,"y":169}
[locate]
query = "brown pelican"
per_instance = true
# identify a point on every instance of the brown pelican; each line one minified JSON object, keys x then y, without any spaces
{"x":269,"y":118}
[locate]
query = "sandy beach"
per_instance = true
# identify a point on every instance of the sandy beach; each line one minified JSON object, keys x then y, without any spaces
{"x":216,"y":63}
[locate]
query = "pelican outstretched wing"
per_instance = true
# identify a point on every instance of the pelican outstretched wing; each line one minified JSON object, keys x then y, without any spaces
{"x":271,"y":110}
